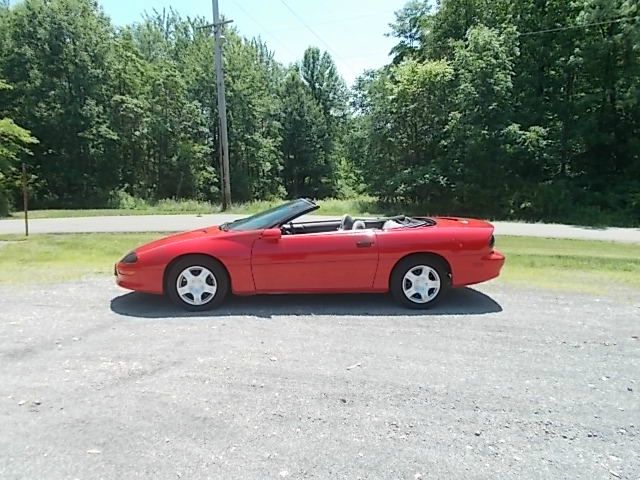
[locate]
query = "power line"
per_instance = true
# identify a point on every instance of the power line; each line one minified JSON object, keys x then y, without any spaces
{"x":267,"y":32}
{"x":584,"y":25}
{"x":330,"y":22}
{"x":320,"y":39}
{"x":338,"y":57}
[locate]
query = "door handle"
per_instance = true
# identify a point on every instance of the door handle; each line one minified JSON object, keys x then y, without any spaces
{"x":364,"y":243}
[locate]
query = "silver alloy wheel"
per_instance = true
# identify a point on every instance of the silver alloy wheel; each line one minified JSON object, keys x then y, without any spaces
{"x":196,"y":285}
{"x":421,"y":284}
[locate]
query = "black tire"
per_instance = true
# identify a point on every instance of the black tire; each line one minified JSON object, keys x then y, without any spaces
{"x":220,"y":277}
{"x":397,"y":281}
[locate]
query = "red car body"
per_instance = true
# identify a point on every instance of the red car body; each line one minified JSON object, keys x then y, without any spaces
{"x":265,"y":261}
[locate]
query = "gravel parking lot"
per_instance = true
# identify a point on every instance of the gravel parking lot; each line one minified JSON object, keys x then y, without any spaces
{"x":497,"y":382}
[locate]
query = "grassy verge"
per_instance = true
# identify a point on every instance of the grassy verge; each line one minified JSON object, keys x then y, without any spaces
{"x":357,"y":206}
{"x":570,"y":265}
{"x":54,"y":258}
{"x":565,"y":265}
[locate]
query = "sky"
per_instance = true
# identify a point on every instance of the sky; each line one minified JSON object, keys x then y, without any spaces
{"x":352,"y":31}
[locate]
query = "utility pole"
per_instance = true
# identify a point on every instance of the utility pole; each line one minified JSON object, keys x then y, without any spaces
{"x":222,"y":106}
{"x":25,"y":199}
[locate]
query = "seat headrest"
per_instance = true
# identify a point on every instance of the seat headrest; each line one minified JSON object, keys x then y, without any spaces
{"x":359,"y":225}
{"x":347,"y":222}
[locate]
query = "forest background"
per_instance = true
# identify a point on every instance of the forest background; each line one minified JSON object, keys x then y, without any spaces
{"x":510,"y":109}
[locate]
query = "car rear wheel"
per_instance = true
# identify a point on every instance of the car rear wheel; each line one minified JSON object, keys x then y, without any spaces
{"x":420,"y":281}
{"x":197,"y":283}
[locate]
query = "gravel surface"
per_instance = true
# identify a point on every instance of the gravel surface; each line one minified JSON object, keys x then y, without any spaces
{"x":497,"y":382}
{"x":177,"y":223}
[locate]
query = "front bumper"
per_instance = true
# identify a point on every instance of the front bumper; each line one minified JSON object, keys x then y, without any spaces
{"x":134,"y":277}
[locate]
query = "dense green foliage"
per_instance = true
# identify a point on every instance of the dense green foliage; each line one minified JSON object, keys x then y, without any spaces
{"x":505,"y":108}
{"x":14,"y":140}
{"x":484,"y":112}
{"x":130,"y":112}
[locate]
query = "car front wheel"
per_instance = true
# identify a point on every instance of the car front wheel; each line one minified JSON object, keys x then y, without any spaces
{"x":197,"y":283}
{"x":420,"y":281}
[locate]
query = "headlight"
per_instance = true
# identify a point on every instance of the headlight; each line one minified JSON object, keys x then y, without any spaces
{"x":130,"y":258}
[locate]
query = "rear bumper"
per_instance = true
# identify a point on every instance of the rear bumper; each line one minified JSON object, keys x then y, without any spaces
{"x":478,"y":270}
{"x":493,"y":264}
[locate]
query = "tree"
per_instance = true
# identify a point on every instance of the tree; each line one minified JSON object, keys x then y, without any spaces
{"x":14,"y":141}
{"x":255,"y":129}
{"x":410,"y":26}
{"x":535,"y":121}
{"x":327,"y":88}
{"x":307,"y":171}
{"x":502,"y":108}
{"x":57,"y":61}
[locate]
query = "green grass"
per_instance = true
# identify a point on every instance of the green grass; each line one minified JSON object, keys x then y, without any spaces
{"x":163,"y":207}
{"x":570,"y":265}
{"x":53,"y":258}
{"x":357,"y":206}
{"x":564,"y":265}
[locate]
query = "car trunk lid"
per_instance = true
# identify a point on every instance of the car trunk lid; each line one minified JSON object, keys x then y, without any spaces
{"x":461,"y":222}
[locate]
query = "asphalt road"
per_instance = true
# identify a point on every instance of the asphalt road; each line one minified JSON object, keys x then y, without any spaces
{"x":497,"y":382}
{"x":175,"y":223}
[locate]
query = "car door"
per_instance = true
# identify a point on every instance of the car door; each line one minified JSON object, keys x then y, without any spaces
{"x":315,"y":262}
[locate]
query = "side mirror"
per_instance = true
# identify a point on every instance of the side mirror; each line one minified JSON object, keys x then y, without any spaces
{"x":271,"y":234}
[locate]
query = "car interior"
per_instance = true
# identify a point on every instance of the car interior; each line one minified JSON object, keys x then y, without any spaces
{"x":349,"y":223}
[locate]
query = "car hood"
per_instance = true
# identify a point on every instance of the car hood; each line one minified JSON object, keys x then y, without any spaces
{"x":181,"y":237}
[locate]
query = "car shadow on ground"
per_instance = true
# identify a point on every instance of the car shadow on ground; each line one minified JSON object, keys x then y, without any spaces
{"x":462,"y":301}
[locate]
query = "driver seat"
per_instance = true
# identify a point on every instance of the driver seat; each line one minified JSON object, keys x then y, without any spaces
{"x":346,"y":223}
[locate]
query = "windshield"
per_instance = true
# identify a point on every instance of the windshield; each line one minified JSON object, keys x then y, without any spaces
{"x":273,"y":217}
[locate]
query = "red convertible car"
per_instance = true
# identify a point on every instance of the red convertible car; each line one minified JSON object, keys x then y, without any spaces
{"x":416,"y":259}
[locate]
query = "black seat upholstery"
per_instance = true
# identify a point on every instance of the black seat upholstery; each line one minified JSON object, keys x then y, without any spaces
{"x":346,"y":223}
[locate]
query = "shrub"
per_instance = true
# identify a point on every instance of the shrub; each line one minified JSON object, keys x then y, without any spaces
{"x":122,"y":199}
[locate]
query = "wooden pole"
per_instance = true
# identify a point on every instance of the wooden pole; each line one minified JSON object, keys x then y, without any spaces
{"x":222,"y":106}
{"x":223,"y":140}
{"x":25,"y":199}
